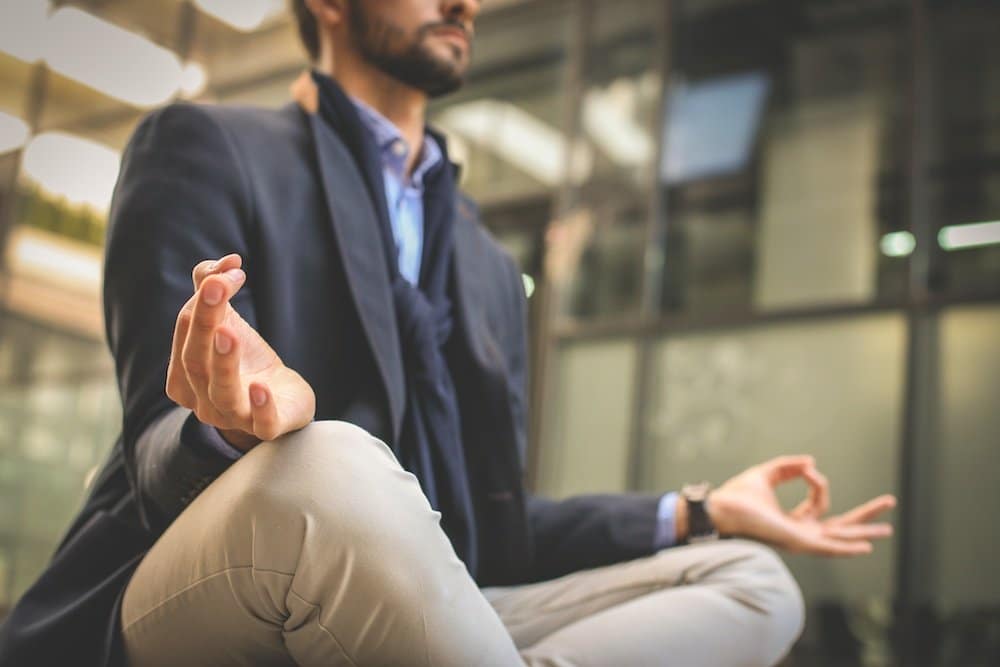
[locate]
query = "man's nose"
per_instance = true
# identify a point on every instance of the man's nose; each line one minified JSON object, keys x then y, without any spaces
{"x":460,"y":11}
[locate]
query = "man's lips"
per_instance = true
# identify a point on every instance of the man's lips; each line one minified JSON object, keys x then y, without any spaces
{"x":455,"y":34}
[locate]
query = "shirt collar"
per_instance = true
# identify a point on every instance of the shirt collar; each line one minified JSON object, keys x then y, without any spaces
{"x":392,"y":147}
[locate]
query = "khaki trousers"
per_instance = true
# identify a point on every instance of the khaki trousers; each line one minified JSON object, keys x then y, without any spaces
{"x":319,"y":549}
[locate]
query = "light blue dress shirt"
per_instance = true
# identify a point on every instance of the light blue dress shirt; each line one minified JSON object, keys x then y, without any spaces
{"x":404,"y":197}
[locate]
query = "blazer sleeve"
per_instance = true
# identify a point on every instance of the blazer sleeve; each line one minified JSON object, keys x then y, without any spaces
{"x":181,"y":197}
{"x":584,"y":531}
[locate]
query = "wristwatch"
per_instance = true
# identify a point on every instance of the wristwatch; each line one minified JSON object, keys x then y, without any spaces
{"x":700,"y":526}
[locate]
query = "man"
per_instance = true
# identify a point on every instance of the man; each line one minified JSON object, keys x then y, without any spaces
{"x":323,"y":435}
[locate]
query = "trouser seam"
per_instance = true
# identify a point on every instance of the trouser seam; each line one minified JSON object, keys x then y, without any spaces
{"x":291,"y":591}
{"x":319,"y":614}
{"x":177,"y":594}
{"x":255,"y":570}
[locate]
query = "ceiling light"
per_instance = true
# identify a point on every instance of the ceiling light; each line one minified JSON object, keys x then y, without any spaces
{"x":973,"y":235}
{"x":13,"y":132}
{"x":82,"y":171}
{"x":109,"y":59}
{"x":245,"y":15}
{"x":519,"y":138}
{"x":22,"y":28}
{"x":898,"y":244}
{"x":96,"y":53}
{"x":529,"y":285}
{"x":609,"y":118}
{"x":193,"y":80}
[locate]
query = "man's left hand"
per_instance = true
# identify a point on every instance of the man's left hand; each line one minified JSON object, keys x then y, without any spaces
{"x":747,"y":506}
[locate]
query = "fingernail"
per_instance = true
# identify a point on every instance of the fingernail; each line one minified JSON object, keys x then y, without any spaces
{"x":212,"y":294}
{"x":258,"y":396}
{"x":235,"y":275}
{"x":211,"y":267}
{"x":222,"y":343}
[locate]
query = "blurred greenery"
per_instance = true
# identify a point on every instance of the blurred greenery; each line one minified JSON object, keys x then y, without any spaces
{"x":42,"y":210}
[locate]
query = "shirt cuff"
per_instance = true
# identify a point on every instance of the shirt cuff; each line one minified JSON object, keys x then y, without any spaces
{"x":666,"y":522}
{"x":197,"y":434}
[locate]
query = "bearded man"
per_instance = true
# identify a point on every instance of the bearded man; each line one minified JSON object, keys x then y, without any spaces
{"x":320,"y":461}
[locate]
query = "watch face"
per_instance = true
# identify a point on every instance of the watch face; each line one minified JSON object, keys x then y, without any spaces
{"x":696,"y":492}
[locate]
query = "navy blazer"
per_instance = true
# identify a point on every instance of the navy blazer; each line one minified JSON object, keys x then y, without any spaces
{"x":280,"y":188}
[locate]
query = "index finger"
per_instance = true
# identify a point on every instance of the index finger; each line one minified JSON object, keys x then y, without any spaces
{"x":211,"y":304}
{"x":784,"y":468}
{"x":866,"y":511}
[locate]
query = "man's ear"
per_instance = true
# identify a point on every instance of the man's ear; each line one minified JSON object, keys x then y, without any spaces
{"x":329,"y":13}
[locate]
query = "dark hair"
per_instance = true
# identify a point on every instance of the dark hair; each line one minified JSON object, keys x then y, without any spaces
{"x":308,"y":30}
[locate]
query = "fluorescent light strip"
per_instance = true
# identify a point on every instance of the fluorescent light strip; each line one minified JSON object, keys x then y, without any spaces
{"x":973,"y":235}
{"x":107,"y":58}
{"x":98,"y":54}
{"x":519,"y":138}
{"x":245,"y":15}
{"x":609,"y":118}
{"x":22,"y":28}
{"x":898,"y":244}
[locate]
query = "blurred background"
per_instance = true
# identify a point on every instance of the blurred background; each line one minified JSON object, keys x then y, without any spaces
{"x":746,"y":227}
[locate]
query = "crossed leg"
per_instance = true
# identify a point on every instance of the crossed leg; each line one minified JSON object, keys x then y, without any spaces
{"x":319,"y":549}
{"x":728,"y":603}
{"x":314,"y":549}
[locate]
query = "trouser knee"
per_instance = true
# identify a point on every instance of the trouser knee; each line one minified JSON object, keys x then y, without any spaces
{"x":762,"y":580}
{"x":336,"y":478}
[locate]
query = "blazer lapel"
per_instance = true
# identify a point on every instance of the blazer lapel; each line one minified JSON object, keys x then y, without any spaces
{"x":356,"y":230}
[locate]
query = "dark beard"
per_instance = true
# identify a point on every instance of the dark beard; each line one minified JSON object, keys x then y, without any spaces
{"x":385,"y":45}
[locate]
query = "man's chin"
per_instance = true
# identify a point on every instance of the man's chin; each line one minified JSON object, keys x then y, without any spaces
{"x":442,"y":88}
{"x":450,"y":75}
{"x":425,"y":69}
{"x":451,"y":59}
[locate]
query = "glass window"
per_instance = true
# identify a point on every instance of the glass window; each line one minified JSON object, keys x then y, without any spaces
{"x":832,"y":388}
{"x":963,"y":173}
{"x":966,"y":463}
{"x":585,"y":444}
{"x":599,"y":247}
{"x":782,"y":167}
{"x":59,"y":415}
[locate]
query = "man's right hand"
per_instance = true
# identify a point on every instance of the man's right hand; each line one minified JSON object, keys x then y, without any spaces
{"x":223,"y":370}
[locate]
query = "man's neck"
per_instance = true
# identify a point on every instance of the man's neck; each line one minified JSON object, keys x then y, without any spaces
{"x":404,"y":106}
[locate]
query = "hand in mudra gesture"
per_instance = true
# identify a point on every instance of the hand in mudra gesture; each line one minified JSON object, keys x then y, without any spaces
{"x":747,"y":505}
{"x":223,"y":370}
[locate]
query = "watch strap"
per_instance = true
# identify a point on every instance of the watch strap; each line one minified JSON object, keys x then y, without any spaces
{"x":700,"y":526}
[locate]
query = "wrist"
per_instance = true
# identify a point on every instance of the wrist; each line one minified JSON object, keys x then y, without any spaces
{"x":717,"y":507}
{"x":241,"y":440}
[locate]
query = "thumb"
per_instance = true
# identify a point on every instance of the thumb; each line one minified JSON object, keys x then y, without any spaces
{"x":264,"y":412}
